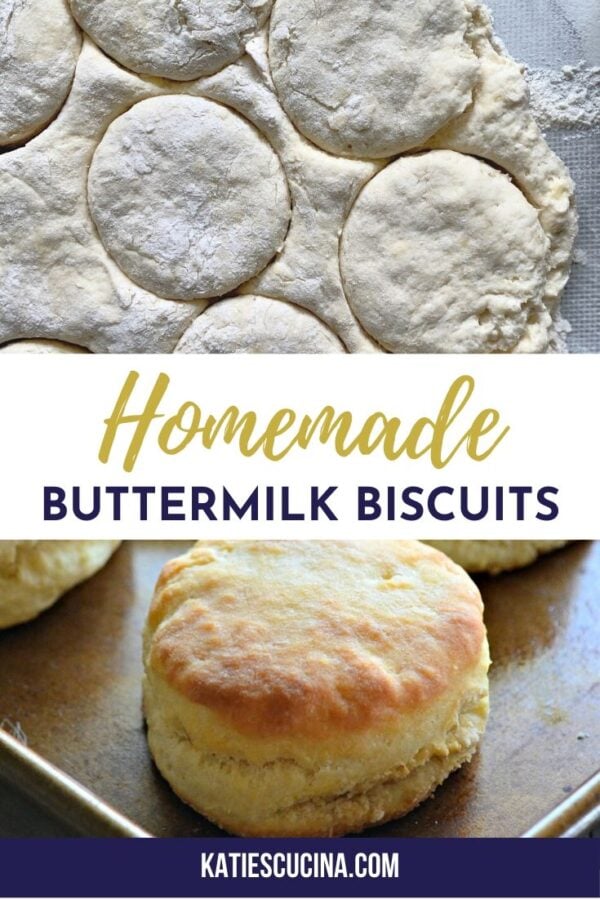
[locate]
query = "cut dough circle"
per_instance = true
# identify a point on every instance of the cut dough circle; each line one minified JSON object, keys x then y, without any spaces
{"x":41,"y":346}
{"x":178,"y":39}
{"x":443,"y":254}
{"x":189,"y":199}
{"x":375,"y":78}
{"x":39,"y":49}
{"x":250,"y":324}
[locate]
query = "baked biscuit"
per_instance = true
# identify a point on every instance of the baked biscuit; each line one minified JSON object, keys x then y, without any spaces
{"x":35,"y":574}
{"x":495,"y":557}
{"x":313,"y":688}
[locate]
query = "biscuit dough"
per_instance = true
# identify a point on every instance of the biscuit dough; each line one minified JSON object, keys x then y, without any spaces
{"x":188,"y":197}
{"x":39,"y":47}
{"x":495,"y":557}
{"x":35,"y":574}
{"x":372,"y":78}
{"x":258,"y":325}
{"x":443,"y":254}
{"x":57,"y":280}
{"x":500,"y":127}
{"x":312,"y":688}
{"x":40,"y":347}
{"x":179,"y":39}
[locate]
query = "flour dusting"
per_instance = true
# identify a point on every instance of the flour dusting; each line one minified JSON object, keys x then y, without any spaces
{"x":567,"y":98}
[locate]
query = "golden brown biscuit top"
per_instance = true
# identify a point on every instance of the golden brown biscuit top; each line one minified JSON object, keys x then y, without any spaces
{"x":309,"y":637}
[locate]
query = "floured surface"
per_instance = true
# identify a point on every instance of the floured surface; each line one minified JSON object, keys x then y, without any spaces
{"x":568,"y":98}
{"x":57,"y":280}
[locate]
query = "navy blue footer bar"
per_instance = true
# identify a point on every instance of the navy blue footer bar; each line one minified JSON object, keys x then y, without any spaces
{"x":299,"y":868}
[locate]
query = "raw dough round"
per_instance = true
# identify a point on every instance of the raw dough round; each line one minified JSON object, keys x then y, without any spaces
{"x":39,"y":48}
{"x":443,"y":254}
{"x":374,"y":78}
{"x":42,"y":347}
{"x":258,"y":325}
{"x":495,"y":557}
{"x":179,"y":39}
{"x":189,"y":199}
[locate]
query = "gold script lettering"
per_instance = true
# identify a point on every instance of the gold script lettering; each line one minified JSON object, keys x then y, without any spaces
{"x":285,"y":430}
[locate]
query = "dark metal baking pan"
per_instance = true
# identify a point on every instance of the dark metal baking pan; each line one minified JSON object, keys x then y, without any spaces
{"x":70,"y":687}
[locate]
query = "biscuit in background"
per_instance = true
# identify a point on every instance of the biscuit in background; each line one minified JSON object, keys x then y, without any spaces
{"x":313,"y":688}
{"x":35,"y":574}
{"x":494,"y":557}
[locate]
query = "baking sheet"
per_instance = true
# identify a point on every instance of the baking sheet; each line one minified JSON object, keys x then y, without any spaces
{"x":70,"y":682}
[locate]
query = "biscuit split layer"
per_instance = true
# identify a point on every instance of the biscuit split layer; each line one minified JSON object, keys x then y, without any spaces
{"x":310,"y":689}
